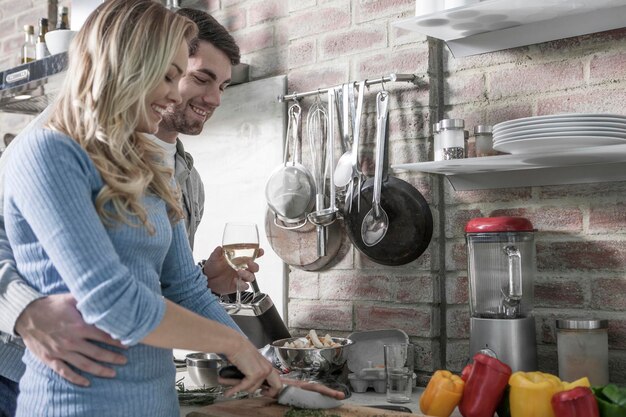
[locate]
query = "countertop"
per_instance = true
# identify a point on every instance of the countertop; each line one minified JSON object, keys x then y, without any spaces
{"x":366,"y":398}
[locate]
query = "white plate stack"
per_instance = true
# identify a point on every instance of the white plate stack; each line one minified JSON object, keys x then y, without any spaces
{"x":561,"y":132}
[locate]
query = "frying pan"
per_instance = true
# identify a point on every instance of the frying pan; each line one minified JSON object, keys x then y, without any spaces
{"x":410,"y":222}
{"x":410,"y":219}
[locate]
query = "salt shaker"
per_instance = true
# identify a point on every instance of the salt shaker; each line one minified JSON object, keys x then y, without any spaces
{"x":583,"y":350}
{"x":452,"y":138}
{"x":483,"y":135}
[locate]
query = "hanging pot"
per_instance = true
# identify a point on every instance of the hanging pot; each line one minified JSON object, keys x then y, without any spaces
{"x":298,"y":247}
{"x":290,"y":189}
{"x":409,"y":219}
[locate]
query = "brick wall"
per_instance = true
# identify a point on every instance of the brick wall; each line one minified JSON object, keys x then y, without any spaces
{"x":581,"y":247}
{"x":581,"y":239}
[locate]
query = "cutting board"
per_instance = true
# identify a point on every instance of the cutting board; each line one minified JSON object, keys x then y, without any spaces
{"x":268,"y":407}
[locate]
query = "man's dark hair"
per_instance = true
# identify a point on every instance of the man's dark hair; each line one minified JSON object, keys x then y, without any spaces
{"x":210,"y":30}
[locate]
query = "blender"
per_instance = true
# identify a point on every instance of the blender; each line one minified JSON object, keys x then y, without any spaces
{"x":501,"y":267}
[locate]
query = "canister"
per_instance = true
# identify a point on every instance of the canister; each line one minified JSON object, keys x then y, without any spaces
{"x":452,"y":137}
{"x":583,"y":349}
{"x":483,"y":135}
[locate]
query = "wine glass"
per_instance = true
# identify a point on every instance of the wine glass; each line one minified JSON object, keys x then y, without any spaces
{"x":241,"y":245}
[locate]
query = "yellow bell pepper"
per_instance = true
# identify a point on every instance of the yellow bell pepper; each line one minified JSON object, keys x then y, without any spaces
{"x":582,"y":382}
{"x":443,"y":393}
{"x":531,"y":393}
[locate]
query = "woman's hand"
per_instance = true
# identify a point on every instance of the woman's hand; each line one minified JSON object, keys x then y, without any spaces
{"x":257,"y":370}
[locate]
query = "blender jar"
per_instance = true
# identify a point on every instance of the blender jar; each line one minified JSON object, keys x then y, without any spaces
{"x":501,"y":267}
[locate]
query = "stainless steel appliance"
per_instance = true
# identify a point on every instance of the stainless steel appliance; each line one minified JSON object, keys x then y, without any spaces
{"x":257,"y":317}
{"x":501,"y":263}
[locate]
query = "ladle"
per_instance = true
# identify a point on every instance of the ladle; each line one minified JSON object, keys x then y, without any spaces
{"x":375,"y":223}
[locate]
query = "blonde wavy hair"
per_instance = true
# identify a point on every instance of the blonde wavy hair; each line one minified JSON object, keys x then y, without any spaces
{"x":119,"y":56}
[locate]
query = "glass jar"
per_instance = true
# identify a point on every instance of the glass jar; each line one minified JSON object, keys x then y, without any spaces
{"x":583,"y":350}
{"x":452,"y":140}
{"x":483,"y":137}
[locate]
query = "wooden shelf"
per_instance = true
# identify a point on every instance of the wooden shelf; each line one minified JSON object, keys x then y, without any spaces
{"x":493,"y":25}
{"x":581,"y":165}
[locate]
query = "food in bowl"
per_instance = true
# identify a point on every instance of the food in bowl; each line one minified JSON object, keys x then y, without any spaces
{"x":312,"y":341}
{"x":312,"y":360}
{"x":203,"y":368}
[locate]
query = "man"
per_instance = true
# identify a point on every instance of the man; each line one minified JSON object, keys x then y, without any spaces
{"x":51,"y":327}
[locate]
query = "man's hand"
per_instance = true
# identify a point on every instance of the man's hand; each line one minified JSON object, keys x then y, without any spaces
{"x":222,"y":279}
{"x":54,"y":331}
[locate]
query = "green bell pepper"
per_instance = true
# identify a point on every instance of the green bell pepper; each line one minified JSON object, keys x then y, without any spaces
{"x":616,"y":394}
{"x":610,"y":406}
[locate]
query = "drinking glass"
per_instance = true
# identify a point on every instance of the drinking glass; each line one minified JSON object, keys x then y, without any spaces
{"x":241,"y":245}
{"x":399,"y":372}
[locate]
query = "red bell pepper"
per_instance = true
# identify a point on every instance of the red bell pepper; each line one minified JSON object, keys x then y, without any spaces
{"x":485,"y":385}
{"x":577,"y":402}
{"x":466,"y":371}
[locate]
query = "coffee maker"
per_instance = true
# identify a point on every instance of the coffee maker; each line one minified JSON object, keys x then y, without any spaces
{"x":501,"y":264}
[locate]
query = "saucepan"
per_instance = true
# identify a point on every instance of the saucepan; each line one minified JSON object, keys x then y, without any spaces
{"x":290,"y":189}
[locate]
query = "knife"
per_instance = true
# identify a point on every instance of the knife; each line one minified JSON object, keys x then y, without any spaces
{"x":289,"y":395}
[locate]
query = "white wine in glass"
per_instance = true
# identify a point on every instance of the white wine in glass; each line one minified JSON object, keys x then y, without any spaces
{"x":238,"y":254}
{"x":241,"y":245}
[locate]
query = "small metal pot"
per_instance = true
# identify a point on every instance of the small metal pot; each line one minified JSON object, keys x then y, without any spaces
{"x":290,"y":189}
{"x":203,"y":367}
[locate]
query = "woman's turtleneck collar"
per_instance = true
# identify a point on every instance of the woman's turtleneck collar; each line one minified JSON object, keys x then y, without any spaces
{"x":168,"y":148}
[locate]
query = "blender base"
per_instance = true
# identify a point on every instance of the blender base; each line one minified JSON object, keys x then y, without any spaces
{"x":512,"y":341}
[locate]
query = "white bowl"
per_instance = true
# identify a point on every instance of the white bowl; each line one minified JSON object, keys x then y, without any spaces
{"x":58,"y":41}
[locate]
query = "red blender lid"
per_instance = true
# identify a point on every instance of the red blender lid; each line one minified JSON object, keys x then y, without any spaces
{"x":499,"y":224}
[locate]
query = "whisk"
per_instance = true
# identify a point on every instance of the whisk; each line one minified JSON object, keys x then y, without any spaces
{"x":317,"y":129}
{"x":317,"y":123}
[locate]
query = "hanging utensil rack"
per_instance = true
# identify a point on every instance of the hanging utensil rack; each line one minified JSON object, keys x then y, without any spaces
{"x":391,"y":78}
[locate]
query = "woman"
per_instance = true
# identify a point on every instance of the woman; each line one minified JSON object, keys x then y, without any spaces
{"x":97,"y":215}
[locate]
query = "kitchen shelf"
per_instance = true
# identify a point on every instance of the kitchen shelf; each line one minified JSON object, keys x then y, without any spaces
{"x":493,"y":25}
{"x":575,"y":166}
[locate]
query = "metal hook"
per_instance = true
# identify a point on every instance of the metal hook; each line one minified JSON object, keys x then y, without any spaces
{"x":382,"y":82}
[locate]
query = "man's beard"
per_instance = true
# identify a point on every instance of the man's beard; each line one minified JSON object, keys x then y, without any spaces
{"x":174,"y":120}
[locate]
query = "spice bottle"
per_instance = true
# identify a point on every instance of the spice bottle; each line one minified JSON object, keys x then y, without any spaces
{"x":41,"y":50}
{"x":452,"y":138}
{"x":583,"y":350}
{"x":28,"y":47}
{"x":63,"y":21}
{"x":483,"y":136}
